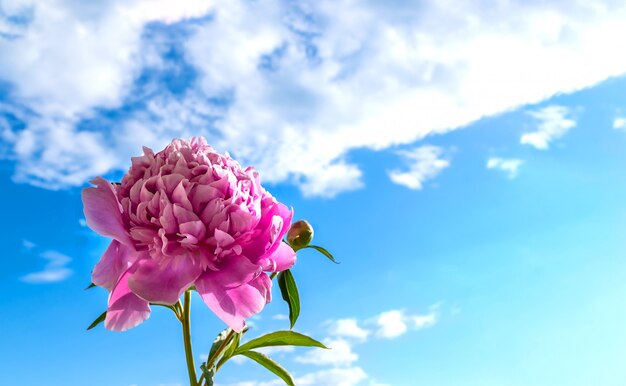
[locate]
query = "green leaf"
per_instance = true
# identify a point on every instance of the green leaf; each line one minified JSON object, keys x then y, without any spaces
{"x":234,"y":344}
{"x":90,"y":286}
{"x":218,"y":342}
{"x":279,"y":338}
{"x":289,"y":291}
{"x":231,"y":347}
{"x":99,"y":320}
{"x":324,"y":252}
{"x":269,"y":364}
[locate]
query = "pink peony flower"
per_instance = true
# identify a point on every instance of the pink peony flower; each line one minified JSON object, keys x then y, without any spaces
{"x":187,"y":216}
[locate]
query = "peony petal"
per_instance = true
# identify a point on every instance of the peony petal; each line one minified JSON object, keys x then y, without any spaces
{"x":167,"y":219}
{"x":126,"y":310}
{"x":233,"y":305}
{"x":143,"y":235}
{"x":192,"y":230}
{"x":286,"y":214}
{"x":241,"y":221}
{"x":163,"y":283}
{"x":179,"y":196}
{"x":223,"y":239}
{"x":103,"y":211}
{"x":281,"y":259}
{"x":234,"y":271}
{"x":272,"y":227}
{"x":113,"y":263}
{"x":201,"y":194}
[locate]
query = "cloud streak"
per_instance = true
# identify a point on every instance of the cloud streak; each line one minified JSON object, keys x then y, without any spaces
{"x":55,"y":270}
{"x":340,"y":354}
{"x":395,"y":323}
{"x":508,"y":165}
{"x":349,"y":376}
{"x":424,"y":162}
{"x":348,"y":328}
{"x":553,"y":124}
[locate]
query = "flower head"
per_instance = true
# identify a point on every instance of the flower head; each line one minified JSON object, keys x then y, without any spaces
{"x":185,"y":216}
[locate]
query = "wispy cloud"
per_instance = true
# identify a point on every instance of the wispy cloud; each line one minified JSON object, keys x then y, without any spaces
{"x":349,"y":376}
{"x":508,"y":165}
{"x":394,"y":323}
{"x":619,"y":123}
{"x":340,"y":354}
{"x":387,"y":324}
{"x":291,"y":88}
{"x":424,"y":163}
{"x":55,"y":270}
{"x":348,"y":328}
{"x":27,"y":244}
{"x":553,"y":124}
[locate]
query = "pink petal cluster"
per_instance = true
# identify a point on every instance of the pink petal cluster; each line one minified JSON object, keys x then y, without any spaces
{"x":185,"y":216}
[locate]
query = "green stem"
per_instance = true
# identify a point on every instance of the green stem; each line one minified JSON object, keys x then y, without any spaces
{"x":191,"y":368}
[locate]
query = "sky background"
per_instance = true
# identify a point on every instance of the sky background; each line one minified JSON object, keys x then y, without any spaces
{"x":464,"y":162}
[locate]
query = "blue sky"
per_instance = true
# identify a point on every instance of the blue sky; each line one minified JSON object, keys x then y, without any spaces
{"x":467,"y":173}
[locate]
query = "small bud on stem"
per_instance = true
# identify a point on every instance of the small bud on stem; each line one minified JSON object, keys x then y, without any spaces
{"x":300,"y":234}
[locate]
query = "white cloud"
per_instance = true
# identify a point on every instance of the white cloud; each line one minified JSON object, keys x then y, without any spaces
{"x":619,"y":123}
{"x":394,"y":323}
{"x":508,"y":165}
{"x":239,"y":359}
{"x":423,"y":321}
{"x":54,"y":271}
{"x":72,"y":57}
{"x":375,"y":383}
{"x":350,"y":376}
{"x":280,"y":317}
{"x":339,"y":354}
{"x":306,"y":82}
{"x":341,"y":359}
{"x":348,"y":328}
{"x":391,"y":324}
{"x":47,"y":276}
{"x":425,"y":163}
{"x":553,"y":124}
{"x":65,"y":157}
{"x":27,"y":244}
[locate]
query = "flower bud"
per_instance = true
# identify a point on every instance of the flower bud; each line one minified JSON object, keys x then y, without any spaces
{"x":300,"y":234}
